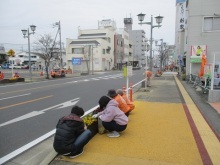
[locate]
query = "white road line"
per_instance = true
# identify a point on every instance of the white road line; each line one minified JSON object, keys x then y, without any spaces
{"x":36,"y":113}
{"x":15,"y":96}
{"x":95,"y":79}
{"x":26,"y":147}
{"x":36,"y":141}
{"x":42,"y":138}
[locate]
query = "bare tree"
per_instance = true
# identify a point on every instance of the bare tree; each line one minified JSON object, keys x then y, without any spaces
{"x":45,"y":49}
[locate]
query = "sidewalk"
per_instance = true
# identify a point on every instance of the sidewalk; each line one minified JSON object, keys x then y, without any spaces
{"x":166,"y":127}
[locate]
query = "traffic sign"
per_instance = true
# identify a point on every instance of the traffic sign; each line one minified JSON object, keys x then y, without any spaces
{"x":11,"y":52}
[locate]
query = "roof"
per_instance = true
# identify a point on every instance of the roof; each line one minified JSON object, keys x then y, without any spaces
{"x":94,"y":35}
{"x":93,"y":42}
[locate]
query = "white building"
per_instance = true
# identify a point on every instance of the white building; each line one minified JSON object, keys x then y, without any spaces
{"x":93,"y":49}
{"x":23,"y":58}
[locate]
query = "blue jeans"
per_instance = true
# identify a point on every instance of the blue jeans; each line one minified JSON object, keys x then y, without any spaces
{"x":113,"y":126}
{"x":82,"y":140}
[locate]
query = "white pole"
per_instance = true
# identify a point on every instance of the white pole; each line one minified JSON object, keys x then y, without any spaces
{"x":12,"y":68}
{"x":127,"y":82}
{"x":190,"y":70}
{"x":213,"y":69}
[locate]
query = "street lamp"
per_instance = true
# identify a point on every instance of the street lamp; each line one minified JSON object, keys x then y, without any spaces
{"x":159,"y":20}
{"x":26,"y":32}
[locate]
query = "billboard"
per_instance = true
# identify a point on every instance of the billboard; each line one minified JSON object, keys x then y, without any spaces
{"x":198,"y":50}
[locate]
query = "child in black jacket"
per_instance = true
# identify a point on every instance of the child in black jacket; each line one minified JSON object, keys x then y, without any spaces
{"x":71,"y":134}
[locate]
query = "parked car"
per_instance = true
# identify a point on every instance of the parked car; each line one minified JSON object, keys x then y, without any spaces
{"x":5,"y":66}
{"x":23,"y":66}
{"x":15,"y":66}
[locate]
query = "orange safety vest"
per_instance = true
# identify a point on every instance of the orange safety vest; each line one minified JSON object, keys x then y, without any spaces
{"x":129,"y":103}
{"x":148,"y":74}
{"x":122,"y":104}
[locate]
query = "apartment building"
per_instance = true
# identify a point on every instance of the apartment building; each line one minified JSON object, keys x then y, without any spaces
{"x":138,"y":39}
{"x":94,"y":48}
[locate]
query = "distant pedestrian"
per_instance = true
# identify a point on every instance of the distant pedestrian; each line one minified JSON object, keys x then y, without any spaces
{"x":113,"y":119}
{"x":16,"y":75}
{"x":71,"y":134}
{"x":148,"y":75}
{"x":1,"y":75}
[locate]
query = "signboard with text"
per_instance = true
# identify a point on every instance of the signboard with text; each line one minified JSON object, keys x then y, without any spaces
{"x":76,"y":61}
{"x":181,"y":16}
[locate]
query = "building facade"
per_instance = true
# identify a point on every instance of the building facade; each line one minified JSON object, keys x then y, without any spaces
{"x":95,"y":48}
{"x":197,"y":25}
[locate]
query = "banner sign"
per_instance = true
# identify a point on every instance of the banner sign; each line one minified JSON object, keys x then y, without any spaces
{"x":181,"y":16}
{"x":195,"y":60}
{"x":198,"y":50}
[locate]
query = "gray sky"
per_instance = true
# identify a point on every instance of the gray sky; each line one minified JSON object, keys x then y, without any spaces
{"x":19,"y":14}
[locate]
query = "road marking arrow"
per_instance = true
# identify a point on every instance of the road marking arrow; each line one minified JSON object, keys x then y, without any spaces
{"x":36,"y":113}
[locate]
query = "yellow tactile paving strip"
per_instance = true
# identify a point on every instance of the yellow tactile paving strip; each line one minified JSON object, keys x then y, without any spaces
{"x":209,"y":139}
{"x":158,"y":133}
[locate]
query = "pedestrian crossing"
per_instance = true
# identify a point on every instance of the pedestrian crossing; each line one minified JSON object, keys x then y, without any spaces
{"x":117,"y":76}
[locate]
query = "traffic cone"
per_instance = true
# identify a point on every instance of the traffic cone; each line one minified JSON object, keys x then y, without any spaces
{"x":131,"y":92}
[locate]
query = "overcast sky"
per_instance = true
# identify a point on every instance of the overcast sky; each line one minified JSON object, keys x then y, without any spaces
{"x":19,"y":14}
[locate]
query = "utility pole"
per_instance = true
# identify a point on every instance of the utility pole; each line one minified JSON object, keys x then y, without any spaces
{"x":61,"y":60}
{"x":59,"y":29}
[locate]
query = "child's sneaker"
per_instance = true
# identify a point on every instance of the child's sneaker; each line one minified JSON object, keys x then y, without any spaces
{"x":113,"y":134}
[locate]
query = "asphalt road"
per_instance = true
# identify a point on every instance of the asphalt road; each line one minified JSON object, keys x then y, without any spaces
{"x":30,"y":110}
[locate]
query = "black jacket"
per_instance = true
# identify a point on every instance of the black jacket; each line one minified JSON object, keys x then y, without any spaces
{"x":67,"y":130}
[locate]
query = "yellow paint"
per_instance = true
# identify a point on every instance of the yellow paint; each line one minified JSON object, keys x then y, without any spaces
{"x":209,"y":139}
{"x":157,"y":133}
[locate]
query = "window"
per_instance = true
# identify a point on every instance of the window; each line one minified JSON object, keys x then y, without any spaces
{"x":211,"y":24}
{"x":103,"y":51}
{"x":77,"y":50}
{"x":108,"y":51}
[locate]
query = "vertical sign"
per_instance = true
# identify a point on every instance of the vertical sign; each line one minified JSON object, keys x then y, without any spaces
{"x":182,"y":13}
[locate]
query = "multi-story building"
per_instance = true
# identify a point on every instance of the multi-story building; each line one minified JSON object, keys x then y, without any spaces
{"x":197,"y":24}
{"x":138,"y":39}
{"x":198,"y":34}
{"x":118,"y":51}
{"x":94,"y":48}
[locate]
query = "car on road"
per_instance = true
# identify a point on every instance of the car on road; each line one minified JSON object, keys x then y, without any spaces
{"x":5,"y":66}
{"x":23,"y":66}
{"x":15,"y":66}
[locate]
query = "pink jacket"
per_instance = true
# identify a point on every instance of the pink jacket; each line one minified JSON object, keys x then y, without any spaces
{"x":112,"y":112}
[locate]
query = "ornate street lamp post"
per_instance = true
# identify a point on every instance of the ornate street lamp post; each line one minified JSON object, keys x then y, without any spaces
{"x":26,"y":32}
{"x":159,"y":20}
